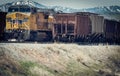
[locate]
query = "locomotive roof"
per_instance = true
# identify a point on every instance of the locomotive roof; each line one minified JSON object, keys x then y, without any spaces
{"x":24,"y":6}
{"x":21,"y":8}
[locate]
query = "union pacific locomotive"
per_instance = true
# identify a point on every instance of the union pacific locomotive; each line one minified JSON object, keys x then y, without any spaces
{"x":25,"y":23}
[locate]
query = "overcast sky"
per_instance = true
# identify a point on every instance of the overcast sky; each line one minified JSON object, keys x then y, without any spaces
{"x":73,"y":3}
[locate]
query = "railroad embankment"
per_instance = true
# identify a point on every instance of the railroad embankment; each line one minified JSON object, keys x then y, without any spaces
{"x":58,"y":59}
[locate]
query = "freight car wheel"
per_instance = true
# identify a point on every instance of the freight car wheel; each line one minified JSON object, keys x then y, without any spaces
{"x":71,"y":39}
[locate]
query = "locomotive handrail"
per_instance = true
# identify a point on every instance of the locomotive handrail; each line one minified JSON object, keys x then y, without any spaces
{"x":26,"y":26}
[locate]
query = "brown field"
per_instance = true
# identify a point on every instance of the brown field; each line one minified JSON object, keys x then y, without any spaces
{"x":58,"y":59}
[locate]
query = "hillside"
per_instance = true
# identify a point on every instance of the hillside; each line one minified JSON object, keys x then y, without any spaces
{"x":58,"y":59}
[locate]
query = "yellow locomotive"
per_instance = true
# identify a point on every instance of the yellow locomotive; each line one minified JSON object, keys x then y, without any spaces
{"x":23,"y":23}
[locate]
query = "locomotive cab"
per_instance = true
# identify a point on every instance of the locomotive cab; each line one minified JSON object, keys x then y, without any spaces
{"x":18,"y":22}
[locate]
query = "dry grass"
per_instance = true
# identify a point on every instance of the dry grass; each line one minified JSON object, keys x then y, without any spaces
{"x":61,"y":59}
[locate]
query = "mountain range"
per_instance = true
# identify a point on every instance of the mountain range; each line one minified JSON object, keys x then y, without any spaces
{"x":111,"y":12}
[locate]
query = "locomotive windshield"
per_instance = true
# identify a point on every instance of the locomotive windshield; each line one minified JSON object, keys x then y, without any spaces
{"x":13,"y":9}
{"x":19,"y":9}
{"x":22,"y":9}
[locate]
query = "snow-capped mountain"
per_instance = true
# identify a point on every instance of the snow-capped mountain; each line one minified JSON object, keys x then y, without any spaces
{"x":112,"y":12}
{"x":64,"y":9}
{"x":29,"y":2}
{"x":4,"y":7}
{"x":105,"y":9}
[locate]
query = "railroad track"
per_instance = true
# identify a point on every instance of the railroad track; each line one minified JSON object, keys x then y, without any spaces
{"x":50,"y":42}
